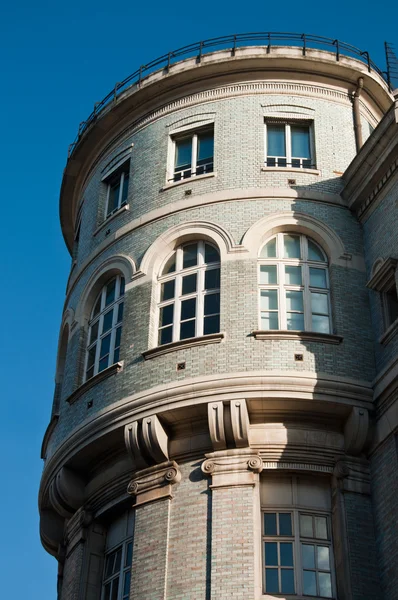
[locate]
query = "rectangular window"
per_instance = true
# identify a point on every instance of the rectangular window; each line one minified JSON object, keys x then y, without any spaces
{"x":289,"y":145}
{"x":193,"y":154}
{"x":390,"y":305}
{"x":117,"y":189}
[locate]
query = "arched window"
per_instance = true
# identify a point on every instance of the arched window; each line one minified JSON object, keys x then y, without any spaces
{"x":105,"y":328}
{"x":189,"y":293}
{"x":294,"y":285}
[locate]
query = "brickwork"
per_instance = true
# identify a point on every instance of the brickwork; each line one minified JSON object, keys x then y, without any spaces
{"x":385,"y":493}
{"x":72,"y":570}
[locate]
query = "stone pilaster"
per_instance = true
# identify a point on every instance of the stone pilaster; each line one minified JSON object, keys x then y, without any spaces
{"x":235,"y":480}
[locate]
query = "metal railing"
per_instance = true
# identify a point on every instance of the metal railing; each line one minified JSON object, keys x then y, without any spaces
{"x":231,"y":43}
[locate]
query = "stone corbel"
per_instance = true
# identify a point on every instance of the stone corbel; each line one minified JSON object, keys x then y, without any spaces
{"x":76,"y":529}
{"x":228,"y":424}
{"x":66,"y":492}
{"x":154,"y":483}
{"x":146,"y":442}
{"x":233,"y":467}
{"x":356,"y":431}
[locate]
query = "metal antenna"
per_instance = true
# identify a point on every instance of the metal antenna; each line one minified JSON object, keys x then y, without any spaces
{"x":392,"y":66}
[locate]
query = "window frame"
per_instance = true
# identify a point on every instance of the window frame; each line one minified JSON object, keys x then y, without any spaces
{"x":117,"y":177}
{"x":98,"y":317}
{"x":288,"y":123}
{"x":119,"y":575}
{"x":191,"y":133}
{"x":200,"y":269}
{"x":282,"y":287}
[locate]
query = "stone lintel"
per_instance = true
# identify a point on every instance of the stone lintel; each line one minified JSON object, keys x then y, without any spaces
{"x":233,"y":467}
{"x":154,"y":483}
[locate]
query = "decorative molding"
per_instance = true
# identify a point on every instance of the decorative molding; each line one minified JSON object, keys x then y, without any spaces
{"x":131,"y":439}
{"x":154,"y":483}
{"x":189,"y":180}
{"x":146,"y":441}
{"x":352,"y":475}
{"x":87,"y":385}
{"x":288,"y":170}
{"x":356,"y":430}
{"x":240,"y":422}
{"x":47,"y":435}
{"x":76,"y":529}
{"x":66,"y":492}
{"x":233,"y":467}
{"x":111,"y":217}
{"x":308,"y":336}
{"x":215,"y":414}
{"x":211,"y":338}
{"x":383,"y":276}
{"x":297,"y":466}
{"x":228,"y":424}
{"x":368,"y":203}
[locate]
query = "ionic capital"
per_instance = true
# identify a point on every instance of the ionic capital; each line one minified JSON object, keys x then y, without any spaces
{"x":233,"y":467}
{"x":154,"y":482}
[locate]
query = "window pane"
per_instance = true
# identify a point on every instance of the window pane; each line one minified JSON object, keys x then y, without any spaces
{"x":188,"y":309}
{"x":110,"y":292}
{"x":166,"y":315}
{"x":276,"y":144}
{"x":125,"y":189}
{"x":212,"y":304}
{"x":118,"y":336}
{"x":306,"y":526}
{"x":269,"y":299}
{"x":116,"y":354}
{"x":122,"y":286}
{"x":183,"y":153}
{"x":211,"y":254}
{"x":271,"y":554}
{"x":105,"y":345}
{"x":269,"y":321}
{"x":319,"y":303}
{"x":269,"y":250}
{"x":107,"y":591}
{"x":325,"y":585}
{"x":115,"y":588}
{"x":320,"y":324}
{"x":291,"y":246}
{"x":308,"y":553}
{"x":287,"y":581}
{"x":271,"y":581}
{"x":187,"y":329}
{"x":294,"y":300}
{"x":165,"y":336}
{"x":205,"y":147}
{"x":188,"y":284}
{"x":286,"y":550}
{"x":323,"y":561}
{"x":309,"y":583}
{"x":314,"y":253}
{"x":212,"y":279}
{"x":318,"y":278}
{"x":170,"y":265}
{"x":90,"y":373}
{"x":126,"y":584}
{"x":110,"y":560}
{"x":268,"y":274}
{"x":300,"y":141}
{"x":270,"y":523}
{"x":120,"y":312}
{"x":321,"y":528}
{"x":211,"y":324}
{"x":113,"y":199}
{"x":97,"y":307}
{"x":107,"y":322}
{"x":295,"y":322}
{"x":293,"y":275}
{"x":94,"y":332}
{"x":103,"y":363}
{"x":190,"y":256}
{"x":91,"y":356}
{"x":167,"y":290}
{"x":118,"y":561}
{"x":285,"y":524}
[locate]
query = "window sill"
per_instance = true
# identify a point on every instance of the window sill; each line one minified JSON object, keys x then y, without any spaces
{"x":111,"y":217}
{"x":389,"y":333}
{"x":87,"y":385}
{"x":308,"y":336}
{"x":292,"y":170}
{"x":211,"y":338}
{"x":188,"y":180}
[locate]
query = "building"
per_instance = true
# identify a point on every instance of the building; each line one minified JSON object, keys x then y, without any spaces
{"x":226,"y":408}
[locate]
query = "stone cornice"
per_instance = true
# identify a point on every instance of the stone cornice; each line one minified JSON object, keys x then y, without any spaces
{"x":87,"y":385}
{"x":301,"y":386}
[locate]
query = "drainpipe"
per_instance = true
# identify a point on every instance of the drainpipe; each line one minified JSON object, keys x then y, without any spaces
{"x":357,"y":116}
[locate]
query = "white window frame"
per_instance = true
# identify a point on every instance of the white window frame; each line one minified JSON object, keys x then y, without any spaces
{"x":200,"y":269}
{"x":119,"y":575}
{"x":281,"y":286}
{"x":298,"y":540}
{"x":117,"y":176}
{"x":288,"y":144}
{"x":99,"y":318}
{"x":192,"y":134}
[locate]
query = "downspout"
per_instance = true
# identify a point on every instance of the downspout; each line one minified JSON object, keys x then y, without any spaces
{"x":357,"y":116}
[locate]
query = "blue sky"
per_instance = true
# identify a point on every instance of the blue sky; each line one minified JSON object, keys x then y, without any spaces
{"x":57,"y":60}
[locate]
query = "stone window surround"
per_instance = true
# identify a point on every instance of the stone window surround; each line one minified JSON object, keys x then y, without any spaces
{"x":383,"y":281}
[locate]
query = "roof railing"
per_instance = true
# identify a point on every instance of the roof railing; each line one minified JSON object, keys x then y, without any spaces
{"x":227,"y":42}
